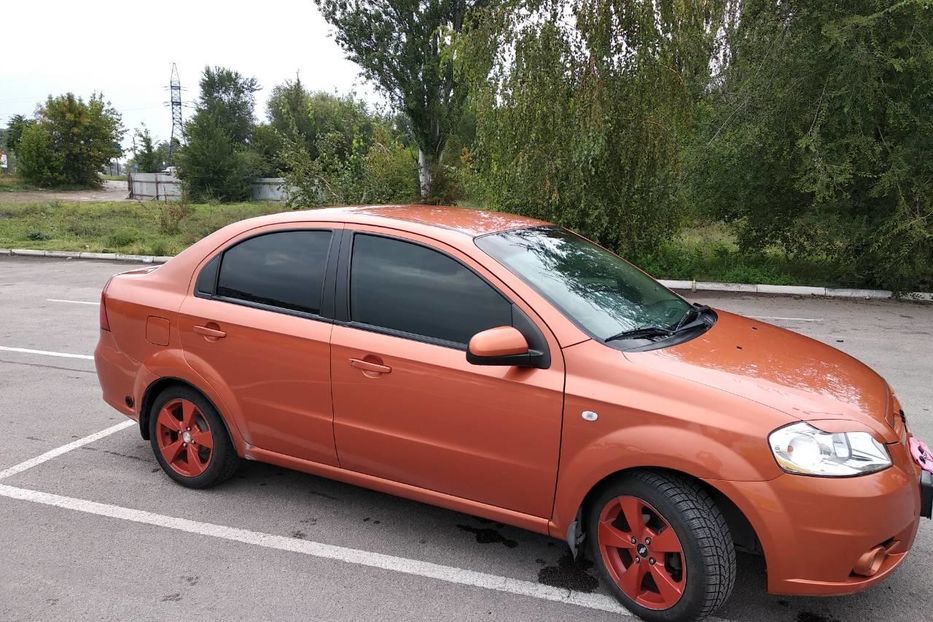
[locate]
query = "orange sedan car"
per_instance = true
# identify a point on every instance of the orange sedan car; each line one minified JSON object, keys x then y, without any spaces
{"x":508,"y":368}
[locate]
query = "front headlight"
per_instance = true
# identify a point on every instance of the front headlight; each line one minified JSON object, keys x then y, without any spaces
{"x":801,"y":448}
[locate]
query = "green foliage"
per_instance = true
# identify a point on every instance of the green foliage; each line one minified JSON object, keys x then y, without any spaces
{"x":124,"y":226}
{"x":70,"y":142}
{"x":213,"y":166}
{"x":267,"y":145}
{"x":37,"y":162}
{"x":382,"y":171}
{"x":404,"y":47}
{"x":171,"y":215}
{"x":336,"y":152}
{"x":229,"y":98}
{"x":819,"y":136}
{"x":581,"y":109}
{"x":148,"y":157}
{"x":217,"y":163}
{"x":14,"y":132}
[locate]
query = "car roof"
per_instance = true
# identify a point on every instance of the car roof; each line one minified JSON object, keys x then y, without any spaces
{"x":471,"y":222}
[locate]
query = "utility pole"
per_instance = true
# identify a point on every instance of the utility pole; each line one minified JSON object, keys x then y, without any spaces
{"x":175,"y":89}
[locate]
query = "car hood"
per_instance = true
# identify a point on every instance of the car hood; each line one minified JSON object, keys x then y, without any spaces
{"x":799,"y":376}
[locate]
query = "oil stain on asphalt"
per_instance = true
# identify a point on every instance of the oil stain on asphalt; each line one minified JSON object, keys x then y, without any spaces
{"x":569,"y":573}
{"x":486,"y":535}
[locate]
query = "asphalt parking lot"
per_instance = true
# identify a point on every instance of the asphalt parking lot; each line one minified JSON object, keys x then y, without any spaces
{"x":95,"y":530}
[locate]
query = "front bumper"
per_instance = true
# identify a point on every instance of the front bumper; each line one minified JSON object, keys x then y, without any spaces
{"x":814,"y":531}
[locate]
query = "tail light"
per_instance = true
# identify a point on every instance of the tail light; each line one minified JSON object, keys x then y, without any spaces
{"x":104,"y":320}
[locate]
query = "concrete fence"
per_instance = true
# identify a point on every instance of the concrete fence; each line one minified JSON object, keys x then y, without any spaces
{"x":165,"y":187}
{"x":154,"y":186}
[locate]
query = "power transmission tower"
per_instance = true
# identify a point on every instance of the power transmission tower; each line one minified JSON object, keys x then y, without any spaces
{"x":175,"y":88}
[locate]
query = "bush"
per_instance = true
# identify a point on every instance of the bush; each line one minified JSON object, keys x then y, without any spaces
{"x":171,"y":214}
{"x":37,"y":162}
{"x":70,"y":142}
{"x":122,"y":237}
{"x":385,"y":173}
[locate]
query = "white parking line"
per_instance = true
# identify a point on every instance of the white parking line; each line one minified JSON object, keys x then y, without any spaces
{"x":64,"y":355}
{"x":449,"y":574}
{"x":74,"y":302}
{"x":404,"y":565}
{"x":54,"y":453}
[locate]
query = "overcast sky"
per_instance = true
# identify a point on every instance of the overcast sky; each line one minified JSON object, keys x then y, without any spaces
{"x":126,"y":51}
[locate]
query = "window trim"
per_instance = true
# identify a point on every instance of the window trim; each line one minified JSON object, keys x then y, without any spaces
{"x":327,"y":302}
{"x":342,"y":304}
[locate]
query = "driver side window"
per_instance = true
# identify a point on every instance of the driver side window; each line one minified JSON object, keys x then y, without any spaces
{"x":408,"y":288}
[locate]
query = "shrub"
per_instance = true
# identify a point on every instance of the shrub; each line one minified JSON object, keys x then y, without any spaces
{"x":171,"y":213}
{"x":70,"y":142}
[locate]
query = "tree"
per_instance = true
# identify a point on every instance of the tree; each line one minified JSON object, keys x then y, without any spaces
{"x":229,"y":98}
{"x":820,"y":133}
{"x":217,"y":162}
{"x":148,"y":157}
{"x":582,"y":108}
{"x":70,"y":141}
{"x":14,"y":132}
{"x":335,"y":150}
{"x":37,"y":161}
{"x":404,"y":46}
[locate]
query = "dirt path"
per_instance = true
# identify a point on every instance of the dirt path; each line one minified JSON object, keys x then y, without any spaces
{"x":111,"y":191}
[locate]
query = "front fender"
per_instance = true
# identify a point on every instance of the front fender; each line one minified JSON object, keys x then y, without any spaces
{"x":693,"y":452}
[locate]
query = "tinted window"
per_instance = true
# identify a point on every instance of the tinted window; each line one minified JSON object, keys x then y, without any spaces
{"x":410,"y":288}
{"x":208,"y":277}
{"x":280,"y":269}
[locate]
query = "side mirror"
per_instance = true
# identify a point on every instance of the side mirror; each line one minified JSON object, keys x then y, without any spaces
{"x":503,"y":345}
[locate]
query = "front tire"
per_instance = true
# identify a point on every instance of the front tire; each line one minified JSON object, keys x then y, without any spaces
{"x":663,"y":547}
{"x":189,"y":439}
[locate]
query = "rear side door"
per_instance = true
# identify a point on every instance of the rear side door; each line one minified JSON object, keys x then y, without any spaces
{"x":409,"y":407}
{"x":256,"y":326}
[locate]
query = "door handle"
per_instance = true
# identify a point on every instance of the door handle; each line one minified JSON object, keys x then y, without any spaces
{"x":369,"y":366}
{"x":211,"y":331}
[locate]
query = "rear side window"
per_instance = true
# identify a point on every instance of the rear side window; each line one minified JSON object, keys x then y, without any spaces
{"x":284,"y":270}
{"x":409,"y":288}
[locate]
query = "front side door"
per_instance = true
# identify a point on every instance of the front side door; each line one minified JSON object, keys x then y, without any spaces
{"x":409,"y":407}
{"x":255,"y":322}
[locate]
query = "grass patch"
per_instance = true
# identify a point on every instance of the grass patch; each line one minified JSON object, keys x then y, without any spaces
{"x":709,"y":253}
{"x":702,"y":252}
{"x":130,"y":227}
{"x":11,"y":183}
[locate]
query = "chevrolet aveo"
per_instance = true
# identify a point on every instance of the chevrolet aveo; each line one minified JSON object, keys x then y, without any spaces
{"x":508,"y":368}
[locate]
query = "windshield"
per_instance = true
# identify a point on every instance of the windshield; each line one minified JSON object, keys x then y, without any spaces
{"x":601,"y":292}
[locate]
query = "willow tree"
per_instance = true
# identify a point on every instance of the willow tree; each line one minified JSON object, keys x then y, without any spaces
{"x":583,"y":106}
{"x":821,"y":132}
{"x":404,"y":47}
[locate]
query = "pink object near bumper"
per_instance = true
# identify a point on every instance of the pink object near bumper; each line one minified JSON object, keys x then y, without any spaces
{"x":922,"y":454}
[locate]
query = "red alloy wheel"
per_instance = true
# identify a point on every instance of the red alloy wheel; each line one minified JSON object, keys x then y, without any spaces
{"x":184,"y":438}
{"x":642,"y":553}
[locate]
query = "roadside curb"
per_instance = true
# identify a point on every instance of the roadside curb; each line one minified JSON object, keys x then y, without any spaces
{"x":26,"y":252}
{"x":689,"y":285}
{"x":795,"y":290}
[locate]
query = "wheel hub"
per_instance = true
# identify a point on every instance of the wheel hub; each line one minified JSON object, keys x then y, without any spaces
{"x":186,"y":435}
{"x":642,"y":553}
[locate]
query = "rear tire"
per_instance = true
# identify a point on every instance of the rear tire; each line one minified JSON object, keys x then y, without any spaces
{"x":663,"y":546}
{"x":189,"y":439}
